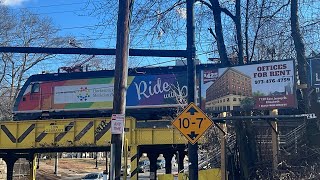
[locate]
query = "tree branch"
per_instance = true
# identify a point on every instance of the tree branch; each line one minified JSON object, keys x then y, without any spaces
{"x":205,"y":3}
{"x":278,"y":10}
{"x":4,"y":67}
{"x":179,"y":3}
{"x":212,"y":33}
{"x":228,"y":13}
{"x":257,"y":31}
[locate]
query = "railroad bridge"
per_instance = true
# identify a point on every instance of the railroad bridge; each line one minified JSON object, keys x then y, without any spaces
{"x":24,"y":139}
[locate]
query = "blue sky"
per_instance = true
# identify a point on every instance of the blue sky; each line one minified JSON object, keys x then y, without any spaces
{"x":71,"y":16}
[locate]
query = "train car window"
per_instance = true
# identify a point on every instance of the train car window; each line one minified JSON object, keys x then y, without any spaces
{"x":35,"y":88}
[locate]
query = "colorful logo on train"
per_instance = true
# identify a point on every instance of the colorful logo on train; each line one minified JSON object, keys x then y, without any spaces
{"x":83,"y":94}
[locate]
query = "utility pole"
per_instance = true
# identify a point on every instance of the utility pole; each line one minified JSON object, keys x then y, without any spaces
{"x":120,"y":82}
{"x":191,"y":50}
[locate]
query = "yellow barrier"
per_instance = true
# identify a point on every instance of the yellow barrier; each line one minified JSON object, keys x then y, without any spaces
{"x":209,"y":174}
{"x":183,"y":176}
{"x":165,"y":177}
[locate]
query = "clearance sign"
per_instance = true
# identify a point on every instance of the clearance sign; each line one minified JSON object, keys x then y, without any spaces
{"x":192,"y":123}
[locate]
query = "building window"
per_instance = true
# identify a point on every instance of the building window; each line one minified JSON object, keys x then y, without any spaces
{"x":234,"y":99}
{"x":224,"y":100}
{"x":228,"y":99}
{"x":240,"y":99}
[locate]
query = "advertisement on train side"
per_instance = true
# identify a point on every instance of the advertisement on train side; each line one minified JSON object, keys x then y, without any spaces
{"x":144,"y":91}
{"x":315,"y":76}
{"x":256,"y":86}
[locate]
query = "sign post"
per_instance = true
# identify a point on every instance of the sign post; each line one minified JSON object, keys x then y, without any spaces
{"x":192,"y":123}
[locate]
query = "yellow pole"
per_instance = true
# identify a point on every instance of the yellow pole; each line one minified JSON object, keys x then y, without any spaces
{"x":134,"y":162}
{"x":33,"y":168}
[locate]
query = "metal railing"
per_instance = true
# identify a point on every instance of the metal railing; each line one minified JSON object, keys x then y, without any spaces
{"x":286,"y":142}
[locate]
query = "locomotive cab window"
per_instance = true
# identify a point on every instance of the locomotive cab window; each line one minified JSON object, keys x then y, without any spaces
{"x":35,"y":88}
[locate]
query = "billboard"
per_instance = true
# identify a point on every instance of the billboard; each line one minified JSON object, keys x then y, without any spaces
{"x":315,"y":76}
{"x":256,"y":86}
{"x":143,"y":91}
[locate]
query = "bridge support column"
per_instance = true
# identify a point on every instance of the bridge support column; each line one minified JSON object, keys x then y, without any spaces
{"x":10,"y":160}
{"x":180,"y":157}
{"x":168,"y":158}
{"x":135,"y":155}
{"x":153,"y":156}
{"x":33,"y":166}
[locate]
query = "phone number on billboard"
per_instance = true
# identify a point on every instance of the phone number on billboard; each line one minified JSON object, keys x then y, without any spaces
{"x":272,"y":80}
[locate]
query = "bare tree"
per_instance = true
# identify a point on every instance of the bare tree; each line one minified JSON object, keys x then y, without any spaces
{"x":22,"y":29}
{"x":263,"y":25}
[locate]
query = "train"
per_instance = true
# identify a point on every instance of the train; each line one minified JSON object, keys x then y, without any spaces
{"x":151,"y":93}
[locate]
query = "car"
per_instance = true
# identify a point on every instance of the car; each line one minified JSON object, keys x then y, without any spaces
{"x":161,"y":163}
{"x":93,"y":176}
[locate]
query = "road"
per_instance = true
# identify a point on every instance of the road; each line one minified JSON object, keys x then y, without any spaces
{"x":75,"y":169}
{"x":142,"y":176}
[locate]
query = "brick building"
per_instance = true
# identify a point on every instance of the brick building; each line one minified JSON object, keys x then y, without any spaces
{"x":228,"y":90}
